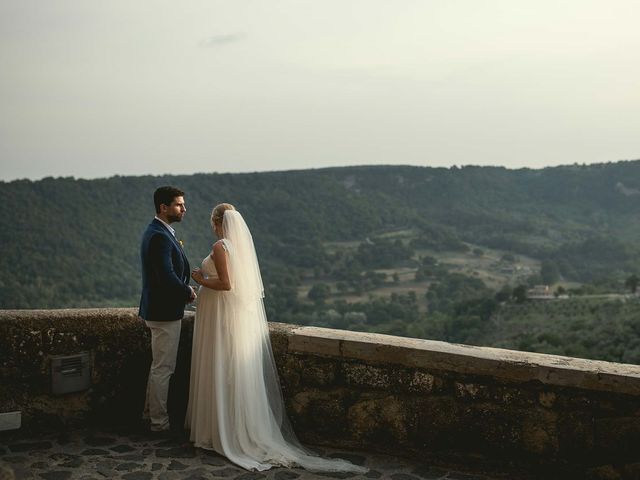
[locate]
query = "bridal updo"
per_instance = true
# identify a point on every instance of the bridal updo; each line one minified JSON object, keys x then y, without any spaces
{"x":217,"y":214}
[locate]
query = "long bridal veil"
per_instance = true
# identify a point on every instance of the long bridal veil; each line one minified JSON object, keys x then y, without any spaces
{"x":259,"y":432}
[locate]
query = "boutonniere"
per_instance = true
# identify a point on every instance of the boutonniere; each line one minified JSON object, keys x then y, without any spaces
{"x":181,"y":243}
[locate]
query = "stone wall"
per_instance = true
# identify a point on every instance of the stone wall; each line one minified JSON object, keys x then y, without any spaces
{"x":118,"y":345}
{"x":444,"y":403}
{"x":558,"y":416}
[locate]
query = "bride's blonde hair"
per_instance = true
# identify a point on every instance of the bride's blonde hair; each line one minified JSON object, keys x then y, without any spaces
{"x":217,"y":214}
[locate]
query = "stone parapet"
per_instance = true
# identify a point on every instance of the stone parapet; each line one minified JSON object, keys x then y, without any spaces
{"x":500,"y":364}
{"x":562,"y":417}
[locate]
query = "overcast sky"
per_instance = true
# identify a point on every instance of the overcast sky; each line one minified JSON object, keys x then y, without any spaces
{"x":98,"y":88}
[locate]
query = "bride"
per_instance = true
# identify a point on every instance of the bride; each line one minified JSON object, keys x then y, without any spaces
{"x":235,"y":404}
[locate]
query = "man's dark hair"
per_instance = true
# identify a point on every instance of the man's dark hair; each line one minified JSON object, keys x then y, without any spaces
{"x":165,"y":195}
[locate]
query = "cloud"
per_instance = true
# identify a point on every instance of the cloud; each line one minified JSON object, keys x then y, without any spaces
{"x":220,"y":40}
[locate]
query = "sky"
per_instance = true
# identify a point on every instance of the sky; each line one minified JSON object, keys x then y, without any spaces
{"x":100,"y":88}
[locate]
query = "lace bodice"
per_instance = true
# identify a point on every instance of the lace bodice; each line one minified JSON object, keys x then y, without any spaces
{"x":208,"y":267}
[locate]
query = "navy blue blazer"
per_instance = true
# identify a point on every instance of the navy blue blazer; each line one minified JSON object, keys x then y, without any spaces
{"x":165,"y":275}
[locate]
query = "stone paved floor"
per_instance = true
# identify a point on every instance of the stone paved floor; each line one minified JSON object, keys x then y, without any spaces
{"x":88,"y":454}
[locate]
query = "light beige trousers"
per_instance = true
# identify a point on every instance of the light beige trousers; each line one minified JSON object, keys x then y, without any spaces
{"x":165,"y":337}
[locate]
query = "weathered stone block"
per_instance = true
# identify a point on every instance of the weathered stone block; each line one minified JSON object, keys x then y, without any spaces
{"x":631,"y":471}
{"x":603,"y":472}
{"x":619,"y":437}
{"x":318,"y":371}
{"x":320,"y":412}
{"x":547,"y":399}
{"x":492,"y":429}
{"x":366,"y":375}
{"x":279,"y":334}
{"x":422,"y":382}
{"x":379,"y":420}
{"x":290,"y":371}
{"x":540,"y":433}
{"x":439,"y":423}
{"x":470,"y":391}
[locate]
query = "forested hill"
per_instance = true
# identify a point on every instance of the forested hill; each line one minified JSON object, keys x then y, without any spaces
{"x":68,"y":242}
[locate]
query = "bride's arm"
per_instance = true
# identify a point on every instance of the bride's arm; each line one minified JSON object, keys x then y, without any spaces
{"x":219,"y":255}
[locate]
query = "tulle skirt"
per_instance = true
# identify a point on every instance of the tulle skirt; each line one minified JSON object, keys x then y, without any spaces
{"x":235,"y":403}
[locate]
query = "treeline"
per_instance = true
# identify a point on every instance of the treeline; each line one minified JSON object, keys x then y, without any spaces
{"x":75,"y":242}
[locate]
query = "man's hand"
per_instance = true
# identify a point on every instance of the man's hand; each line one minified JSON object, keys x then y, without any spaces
{"x":193,"y":296}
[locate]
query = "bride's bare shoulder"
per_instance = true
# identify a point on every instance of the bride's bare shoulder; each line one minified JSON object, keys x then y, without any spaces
{"x":216,"y":247}
{"x":220,"y":245}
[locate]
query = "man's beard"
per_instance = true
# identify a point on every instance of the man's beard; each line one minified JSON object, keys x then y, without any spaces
{"x":174,"y":218}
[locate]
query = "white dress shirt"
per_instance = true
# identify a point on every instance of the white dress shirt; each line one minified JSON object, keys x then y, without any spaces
{"x":173,"y":232}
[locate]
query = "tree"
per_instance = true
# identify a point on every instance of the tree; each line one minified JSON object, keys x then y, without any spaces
{"x":504,"y":294}
{"x":319,"y":292}
{"x":520,"y":293}
{"x":632,"y":283}
{"x":549,"y":272}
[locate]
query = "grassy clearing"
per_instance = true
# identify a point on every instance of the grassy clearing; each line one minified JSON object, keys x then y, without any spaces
{"x":494,"y":267}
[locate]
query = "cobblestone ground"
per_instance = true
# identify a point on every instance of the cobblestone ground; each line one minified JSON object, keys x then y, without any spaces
{"x":89,"y":455}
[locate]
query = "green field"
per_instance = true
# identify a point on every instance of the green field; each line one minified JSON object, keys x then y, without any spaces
{"x":489,"y":267}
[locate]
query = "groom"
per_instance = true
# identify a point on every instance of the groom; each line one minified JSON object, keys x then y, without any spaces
{"x":165,"y":291}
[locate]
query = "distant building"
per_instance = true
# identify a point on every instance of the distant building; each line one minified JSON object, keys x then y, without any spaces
{"x":540,"y":292}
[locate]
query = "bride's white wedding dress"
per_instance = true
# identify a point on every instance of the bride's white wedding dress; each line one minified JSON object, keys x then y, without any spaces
{"x":235,"y":403}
